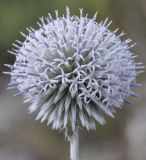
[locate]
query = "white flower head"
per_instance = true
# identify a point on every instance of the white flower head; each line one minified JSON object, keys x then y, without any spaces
{"x":74,"y":70}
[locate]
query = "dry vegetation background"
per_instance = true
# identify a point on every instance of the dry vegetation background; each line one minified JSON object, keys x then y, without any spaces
{"x":21,"y":138}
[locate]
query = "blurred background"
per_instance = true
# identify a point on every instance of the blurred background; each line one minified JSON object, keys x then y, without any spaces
{"x":22,"y":138}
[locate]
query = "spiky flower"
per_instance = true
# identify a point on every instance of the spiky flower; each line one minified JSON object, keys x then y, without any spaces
{"x":74,"y":70}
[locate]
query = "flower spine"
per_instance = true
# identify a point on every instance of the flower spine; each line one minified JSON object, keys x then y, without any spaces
{"x":74,"y":70}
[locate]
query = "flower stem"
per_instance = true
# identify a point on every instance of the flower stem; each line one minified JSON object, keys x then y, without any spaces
{"x":74,"y":145}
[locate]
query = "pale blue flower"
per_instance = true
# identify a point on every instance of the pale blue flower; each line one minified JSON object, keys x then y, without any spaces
{"x":73,"y":69}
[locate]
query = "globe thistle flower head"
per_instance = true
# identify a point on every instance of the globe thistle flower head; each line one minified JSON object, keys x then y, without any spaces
{"x":74,"y":70}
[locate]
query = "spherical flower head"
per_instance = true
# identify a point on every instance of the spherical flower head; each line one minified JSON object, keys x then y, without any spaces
{"x":74,"y":70}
